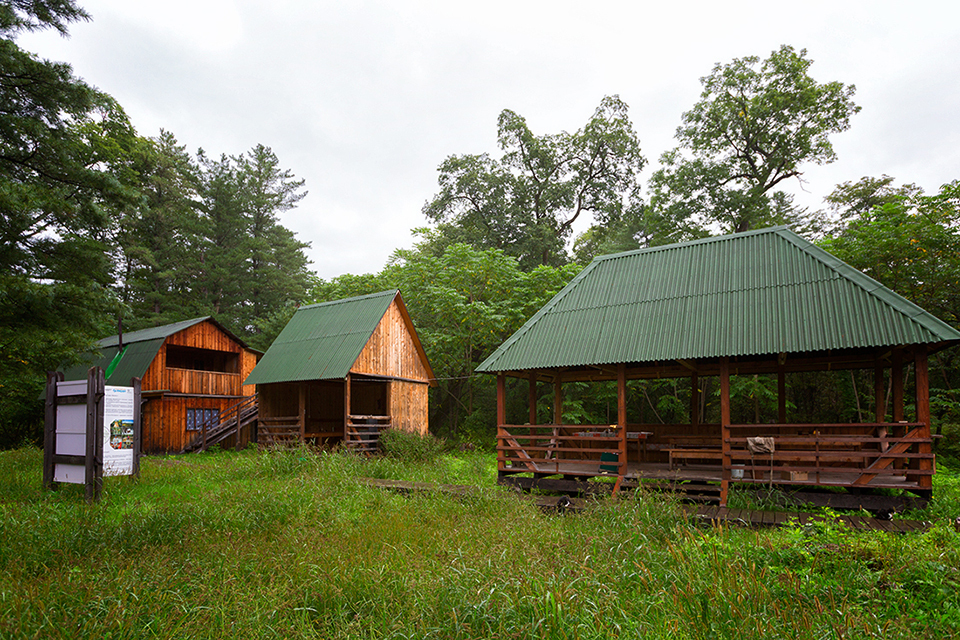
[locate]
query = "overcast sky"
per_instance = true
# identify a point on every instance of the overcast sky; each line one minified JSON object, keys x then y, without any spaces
{"x":364,"y":99}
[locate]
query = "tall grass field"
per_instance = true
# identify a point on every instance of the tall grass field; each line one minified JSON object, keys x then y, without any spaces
{"x":288,"y":544}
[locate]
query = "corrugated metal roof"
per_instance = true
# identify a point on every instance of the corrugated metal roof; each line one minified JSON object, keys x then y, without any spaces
{"x":139,"y":350}
{"x":761,"y":292}
{"x":322,"y":341}
{"x":155,"y":332}
{"x":134,"y":362}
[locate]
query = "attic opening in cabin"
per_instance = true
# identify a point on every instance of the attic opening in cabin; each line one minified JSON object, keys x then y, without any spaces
{"x":179,"y":357}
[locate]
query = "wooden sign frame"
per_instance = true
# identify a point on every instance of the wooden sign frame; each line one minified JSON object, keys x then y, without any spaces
{"x":63,"y":454}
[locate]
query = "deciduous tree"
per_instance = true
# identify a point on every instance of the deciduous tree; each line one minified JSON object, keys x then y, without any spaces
{"x":756,"y":124}
{"x":526,"y":202}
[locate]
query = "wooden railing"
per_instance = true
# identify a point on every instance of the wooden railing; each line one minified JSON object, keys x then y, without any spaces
{"x":561,"y":448}
{"x":850,"y":455}
{"x":209,"y":383}
{"x":363,"y":432}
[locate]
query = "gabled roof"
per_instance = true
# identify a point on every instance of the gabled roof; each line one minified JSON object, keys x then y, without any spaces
{"x":761,"y":292}
{"x":323,"y":341}
{"x":139,"y":350}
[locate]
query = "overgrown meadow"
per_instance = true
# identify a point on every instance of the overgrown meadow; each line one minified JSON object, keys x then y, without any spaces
{"x":282,"y":544}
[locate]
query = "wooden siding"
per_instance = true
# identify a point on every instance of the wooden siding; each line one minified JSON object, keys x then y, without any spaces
{"x":165,"y":421}
{"x":205,"y":335}
{"x":248,"y":360}
{"x":408,"y":406}
{"x":391,"y":350}
{"x":165,"y":417}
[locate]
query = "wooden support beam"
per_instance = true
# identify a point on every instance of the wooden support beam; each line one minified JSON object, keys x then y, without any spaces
{"x":922,"y":379}
{"x":879,"y":408}
{"x":501,"y":399}
{"x":621,"y":422}
{"x":725,"y":428}
{"x":50,"y":427}
{"x":346,"y":407}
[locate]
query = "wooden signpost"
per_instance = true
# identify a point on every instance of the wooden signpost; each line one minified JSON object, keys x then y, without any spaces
{"x":91,"y":430}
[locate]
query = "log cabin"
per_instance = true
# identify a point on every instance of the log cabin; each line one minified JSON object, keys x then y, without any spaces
{"x":761,"y":303}
{"x":341,"y":372}
{"x":191,"y":372}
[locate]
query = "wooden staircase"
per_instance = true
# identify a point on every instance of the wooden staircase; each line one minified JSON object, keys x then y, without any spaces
{"x":232,"y":421}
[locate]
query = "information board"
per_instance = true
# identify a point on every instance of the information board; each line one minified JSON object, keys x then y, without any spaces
{"x":118,"y":415}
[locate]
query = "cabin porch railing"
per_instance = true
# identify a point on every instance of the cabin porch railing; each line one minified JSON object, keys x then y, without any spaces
{"x":588,"y":450}
{"x":362,"y":433}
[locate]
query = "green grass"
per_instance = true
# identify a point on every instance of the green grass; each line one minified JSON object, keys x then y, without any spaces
{"x":288,"y":544}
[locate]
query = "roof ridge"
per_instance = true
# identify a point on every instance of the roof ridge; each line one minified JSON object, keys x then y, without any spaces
{"x":690,"y":243}
{"x":390,"y":292}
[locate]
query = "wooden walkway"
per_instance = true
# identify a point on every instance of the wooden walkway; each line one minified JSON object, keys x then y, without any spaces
{"x":706,"y":514}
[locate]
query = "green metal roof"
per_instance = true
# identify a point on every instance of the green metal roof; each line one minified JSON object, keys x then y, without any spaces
{"x":153,"y":333}
{"x":322,"y":341}
{"x":139,"y":350}
{"x":761,"y":292}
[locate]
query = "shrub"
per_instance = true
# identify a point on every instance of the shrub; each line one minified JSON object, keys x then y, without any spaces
{"x":411,"y":447}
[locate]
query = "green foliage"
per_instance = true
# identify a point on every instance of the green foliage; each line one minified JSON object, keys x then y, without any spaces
{"x":60,"y":156}
{"x":756,"y":124}
{"x":410,"y":447}
{"x":526,"y":202}
{"x":907,"y":241}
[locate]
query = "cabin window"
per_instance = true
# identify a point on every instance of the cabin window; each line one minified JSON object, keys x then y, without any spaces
{"x":179,"y":357}
{"x":196,"y":418}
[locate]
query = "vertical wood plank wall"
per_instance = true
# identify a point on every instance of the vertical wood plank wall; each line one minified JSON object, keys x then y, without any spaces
{"x":391,"y":350}
{"x":408,"y":406}
{"x":165,"y":420}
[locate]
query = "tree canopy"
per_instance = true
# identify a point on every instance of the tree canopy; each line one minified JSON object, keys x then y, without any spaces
{"x":756,"y":124}
{"x":526,"y":202}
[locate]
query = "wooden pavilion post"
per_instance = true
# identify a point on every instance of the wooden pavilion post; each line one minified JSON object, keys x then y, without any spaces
{"x":922,"y":376}
{"x":725,"y":428}
{"x":879,"y":402}
{"x":346,"y":408}
{"x":622,"y":421}
{"x":501,"y":399}
{"x":896,"y":372}
{"x":879,"y":410}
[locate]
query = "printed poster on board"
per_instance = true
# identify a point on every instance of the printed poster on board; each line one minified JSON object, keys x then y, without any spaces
{"x":118,"y":409}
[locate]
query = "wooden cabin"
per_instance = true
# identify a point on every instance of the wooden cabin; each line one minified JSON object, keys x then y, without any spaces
{"x":190,"y":371}
{"x":341,"y":372}
{"x":758,"y":303}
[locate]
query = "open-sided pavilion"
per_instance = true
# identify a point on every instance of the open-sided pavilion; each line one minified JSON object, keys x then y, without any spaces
{"x":763,"y":302}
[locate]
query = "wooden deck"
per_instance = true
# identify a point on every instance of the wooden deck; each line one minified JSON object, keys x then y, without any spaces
{"x":711,"y":515}
{"x":857,"y":457}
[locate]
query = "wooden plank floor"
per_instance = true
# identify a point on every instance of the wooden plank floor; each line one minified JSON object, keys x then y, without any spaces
{"x":703,"y":513}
